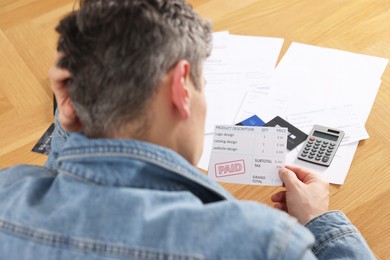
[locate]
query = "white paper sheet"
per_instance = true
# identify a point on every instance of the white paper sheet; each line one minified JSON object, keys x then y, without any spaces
{"x":248,"y":155}
{"x":237,"y":64}
{"x":343,"y":117}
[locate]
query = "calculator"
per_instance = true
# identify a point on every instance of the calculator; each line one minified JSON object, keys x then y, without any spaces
{"x":321,"y":145}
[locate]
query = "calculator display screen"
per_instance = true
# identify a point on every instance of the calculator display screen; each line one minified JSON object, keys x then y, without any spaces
{"x":325,"y":136}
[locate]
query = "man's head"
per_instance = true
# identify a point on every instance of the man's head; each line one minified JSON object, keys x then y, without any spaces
{"x":118,"y":53}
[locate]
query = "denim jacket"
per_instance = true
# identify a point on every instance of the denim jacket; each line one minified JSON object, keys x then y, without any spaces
{"x":126,"y":199}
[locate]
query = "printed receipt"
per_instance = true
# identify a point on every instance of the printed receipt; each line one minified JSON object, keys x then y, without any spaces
{"x":248,"y":155}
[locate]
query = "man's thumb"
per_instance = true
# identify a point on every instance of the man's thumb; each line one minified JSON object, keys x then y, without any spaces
{"x":288,"y":177}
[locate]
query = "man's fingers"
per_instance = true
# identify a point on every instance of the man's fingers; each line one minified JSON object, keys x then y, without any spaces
{"x":289,"y":178}
{"x":303,"y":174}
{"x":281,"y":206}
{"x":279,"y":197}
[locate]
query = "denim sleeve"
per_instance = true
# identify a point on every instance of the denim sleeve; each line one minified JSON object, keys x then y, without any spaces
{"x":336,"y":237}
{"x":59,"y":138}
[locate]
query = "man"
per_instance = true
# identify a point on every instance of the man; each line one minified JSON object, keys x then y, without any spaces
{"x":123,"y":185}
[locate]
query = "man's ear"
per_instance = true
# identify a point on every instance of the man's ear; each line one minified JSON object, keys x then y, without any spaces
{"x":180,"y":89}
{"x":66,"y":113}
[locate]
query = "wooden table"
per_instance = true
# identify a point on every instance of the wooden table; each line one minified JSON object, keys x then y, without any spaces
{"x":356,"y":26}
{"x":27,"y":43}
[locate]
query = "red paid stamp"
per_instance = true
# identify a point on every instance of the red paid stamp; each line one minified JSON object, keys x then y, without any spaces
{"x":229,"y":168}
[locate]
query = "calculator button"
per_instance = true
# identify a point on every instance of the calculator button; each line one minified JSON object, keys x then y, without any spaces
{"x":325,"y":159}
{"x":332,"y":144}
{"x":312,"y":153}
{"x":312,"y":139}
{"x":328,"y":154}
{"x":304,"y":154}
{"x":326,"y":143}
{"x":318,"y":158}
{"x":321,"y":152}
{"x":324,"y":146}
{"x":318,"y":141}
{"x":311,"y":156}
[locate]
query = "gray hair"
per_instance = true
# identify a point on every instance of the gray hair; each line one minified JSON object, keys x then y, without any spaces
{"x":118,"y":51}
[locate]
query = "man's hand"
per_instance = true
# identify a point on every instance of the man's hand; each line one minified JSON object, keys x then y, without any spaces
{"x":66,"y":115}
{"x":306,"y":195}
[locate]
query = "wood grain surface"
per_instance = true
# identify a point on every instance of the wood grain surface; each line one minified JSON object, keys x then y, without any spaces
{"x":27,"y":44}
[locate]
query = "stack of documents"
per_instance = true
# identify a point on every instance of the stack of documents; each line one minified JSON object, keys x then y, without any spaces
{"x":311,"y":85}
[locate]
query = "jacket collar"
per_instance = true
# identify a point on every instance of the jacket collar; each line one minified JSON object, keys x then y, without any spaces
{"x":174,"y":167}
